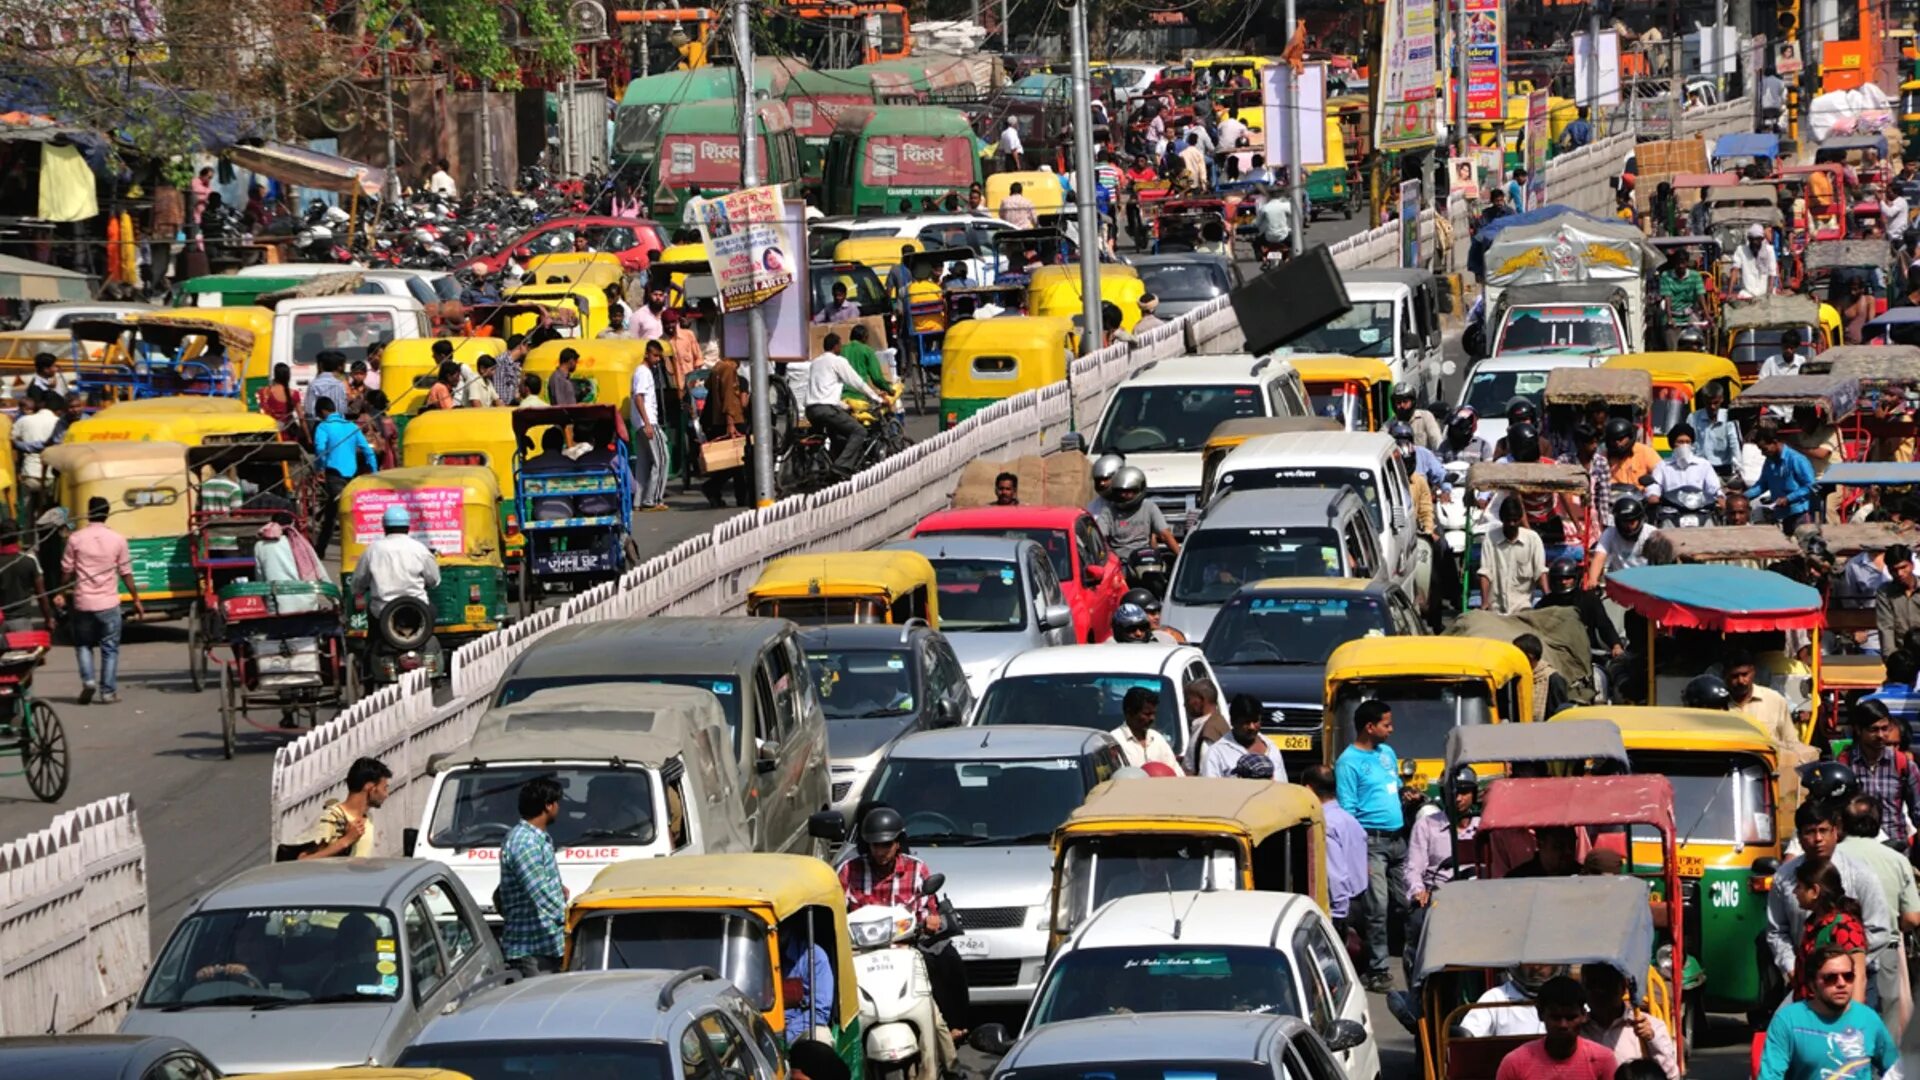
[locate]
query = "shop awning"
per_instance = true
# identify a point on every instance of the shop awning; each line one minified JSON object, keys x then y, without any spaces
{"x":24,"y":279}
{"x":306,"y":168}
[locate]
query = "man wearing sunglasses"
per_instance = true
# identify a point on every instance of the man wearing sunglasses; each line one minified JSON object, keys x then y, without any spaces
{"x":1827,"y":1034}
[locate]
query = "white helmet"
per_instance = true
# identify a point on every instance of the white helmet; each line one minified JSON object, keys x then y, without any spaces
{"x":1129,"y":486}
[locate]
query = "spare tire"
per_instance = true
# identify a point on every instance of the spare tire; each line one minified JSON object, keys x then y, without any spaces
{"x":405,"y":624}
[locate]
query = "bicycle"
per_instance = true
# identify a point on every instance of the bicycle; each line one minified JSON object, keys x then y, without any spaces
{"x":806,"y":461}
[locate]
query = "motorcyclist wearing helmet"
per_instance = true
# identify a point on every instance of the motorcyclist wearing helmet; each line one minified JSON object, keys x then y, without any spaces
{"x":1685,"y":469}
{"x":1128,"y":519}
{"x":1564,"y":590}
{"x":1461,"y":443}
{"x":1628,"y":459}
{"x":1520,"y":411}
{"x":1131,"y":626}
{"x":1707,"y":691}
{"x":1426,"y":429}
{"x":1104,"y":467}
{"x":1623,"y":544}
{"x":1420,"y":459}
{"x":1885,"y":770}
{"x":1431,"y":847}
{"x":1149,"y":603}
{"x":883,"y":873}
{"x":395,"y":565}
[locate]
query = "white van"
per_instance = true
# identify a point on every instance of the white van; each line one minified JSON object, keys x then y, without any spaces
{"x":1395,"y":319}
{"x":1495,"y":382}
{"x":1363,"y":460}
{"x":1161,"y":418}
{"x":304,"y":328}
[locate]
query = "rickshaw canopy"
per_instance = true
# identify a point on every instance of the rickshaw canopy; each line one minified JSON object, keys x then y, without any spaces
{"x":1729,"y":599}
{"x":1840,"y":254}
{"x":1726,"y":202}
{"x":1546,"y":802}
{"x":889,"y":575}
{"x":1663,"y":727}
{"x":1339,"y":369}
{"x":1875,"y":367}
{"x":1530,"y":477}
{"x":1900,"y":325}
{"x":1613,"y":385}
{"x":1235,"y":432}
{"x":1494,"y":925}
{"x":1872,"y":473}
{"x":1751,"y":144}
{"x":1055,"y":291}
{"x":1041,"y":188}
{"x":1696,"y":369}
{"x":999,"y":357}
{"x":190,"y":419}
{"x":605,"y":363}
{"x":1848,"y":539}
{"x":1255,"y":809}
{"x":1427,"y":657}
{"x":1776,"y":310}
{"x":146,"y":482}
{"x":1507,"y":744}
{"x":486,"y":432}
{"x":1837,"y":394}
{"x":1848,"y":143}
{"x":1724,"y":543}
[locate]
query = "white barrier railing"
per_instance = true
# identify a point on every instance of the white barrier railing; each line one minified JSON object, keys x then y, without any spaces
{"x":73,"y":922}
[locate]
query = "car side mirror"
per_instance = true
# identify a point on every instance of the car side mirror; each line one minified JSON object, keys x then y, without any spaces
{"x":409,"y":839}
{"x":827,"y":825}
{"x":994,"y":1040}
{"x":1073,"y":442}
{"x":1056,"y":617}
{"x":769,"y":758}
{"x":1345,"y":1035}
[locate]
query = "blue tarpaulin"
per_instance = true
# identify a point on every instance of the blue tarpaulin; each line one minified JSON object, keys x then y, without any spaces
{"x":22,"y":90}
{"x":1752,"y":144}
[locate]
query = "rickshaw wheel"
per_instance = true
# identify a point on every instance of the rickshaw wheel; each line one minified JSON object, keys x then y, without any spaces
{"x":44,"y":753}
{"x":226,"y":711}
{"x":196,"y":650}
{"x":1690,"y":1010}
{"x":350,"y":688}
{"x":630,"y":549}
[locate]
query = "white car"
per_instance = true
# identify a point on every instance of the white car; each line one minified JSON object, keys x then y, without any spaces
{"x":1160,"y":418}
{"x":1496,"y":381}
{"x":59,"y":316}
{"x":1265,"y":953}
{"x":933,"y":231}
{"x":1082,"y":685}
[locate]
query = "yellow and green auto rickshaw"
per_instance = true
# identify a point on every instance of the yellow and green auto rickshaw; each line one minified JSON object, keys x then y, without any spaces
{"x":1055,"y":291}
{"x":830,"y":588}
{"x":734,"y":913}
{"x":1680,"y":382}
{"x":604,"y":373}
{"x":990,"y":360}
{"x":482,"y":437}
{"x":1434,"y":685}
{"x":1355,"y":392}
{"x":145,"y":486}
{"x":191,"y":420}
{"x":408,"y":370}
{"x":253,"y":363}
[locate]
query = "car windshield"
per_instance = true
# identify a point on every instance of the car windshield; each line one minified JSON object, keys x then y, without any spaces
{"x":1364,"y":481}
{"x":1342,"y":402}
{"x":981,"y":803}
{"x":1096,"y":869}
{"x":543,"y":1059}
{"x":1366,"y":330}
{"x":1186,"y":282}
{"x":980,"y":595}
{"x":1216,"y":562}
{"x":1161,"y":978}
{"x":1489,"y":392}
{"x":863,"y":682}
{"x":1423,"y":711}
{"x":1717,"y":798}
{"x":1079,"y":699}
{"x":1171,"y":419}
{"x":599,"y":805}
{"x":724,"y":687}
{"x":1584,"y":328}
{"x":1144,"y":1070}
{"x":1291,"y":629}
{"x":273,"y":958}
{"x":732,"y":944}
{"x":1056,"y":542}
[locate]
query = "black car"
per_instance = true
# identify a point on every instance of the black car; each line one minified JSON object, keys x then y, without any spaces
{"x":103,"y":1057}
{"x":878,"y":683}
{"x":1272,"y":638}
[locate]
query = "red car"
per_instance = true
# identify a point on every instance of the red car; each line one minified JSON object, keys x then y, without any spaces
{"x":1090,"y":573}
{"x":635,"y":240}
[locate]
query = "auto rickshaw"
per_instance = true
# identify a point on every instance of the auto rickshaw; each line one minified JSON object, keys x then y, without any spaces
{"x":1627,"y":392}
{"x":1055,"y":291}
{"x":145,"y":485}
{"x":1751,"y":330}
{"x":253,"y":366}
{"x":604,"y":373}
{"x":1155,"y":833}
{"x":990,"y":360}
{"x":656,"y":913}
{"x":575,"y":501}
{"x":1722,"y":600}
{"x":1433,"y":684}
{"x":1329,"y":184}
{"x":192,"y":421}
{"x":1356,"y":392}
{"x":586,"y":304}
{"x":456,"y":512}
{"x":1477,"y":930}
{"x":830,"y":588}
{"x":1230,"y":434}
{"x":1588,"y":746}
{"x":482,"y":437}
{"x":1734,"y":152}
{"x":505,"y":318}
{"x":1041,"y":188}
{"x":878,"y":253}
{"x":1048,"y":246}
{"x":1737,"y":798}
{"x":1680,"y":381}
{"x":129,"y":359}
{"x":1181,"y":224}
{"x":583,"y":269}
{"x":408,"y":370}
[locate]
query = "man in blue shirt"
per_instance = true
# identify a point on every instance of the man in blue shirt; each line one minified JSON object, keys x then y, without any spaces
{"x":1829,"y":1034}
{"x":1897,"y":691}
{"x":341,"y":446}
{"x":1346,"y":846}
{"x":1787,"y":477}
{"x":809,"y":981}
{"x":1367,"y":778}
{"x":533,"y":902}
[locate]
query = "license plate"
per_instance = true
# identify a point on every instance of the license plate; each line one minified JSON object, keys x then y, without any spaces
{"x":1692,"y":865}
{"x":970,"y":948}
{"x":572,"y":562}
{"x":1293,"y":742}
{"x":476,"y":613}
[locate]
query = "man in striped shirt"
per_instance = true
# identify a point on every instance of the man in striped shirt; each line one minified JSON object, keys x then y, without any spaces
{"x":885,"y":874}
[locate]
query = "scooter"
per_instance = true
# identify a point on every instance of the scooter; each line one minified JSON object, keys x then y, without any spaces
{"x":1684,"y":508}
{"x":400,"y":640}
{"x":896,"y":993}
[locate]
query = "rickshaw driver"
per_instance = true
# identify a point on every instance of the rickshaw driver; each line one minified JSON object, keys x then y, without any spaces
{"x":1755,"y":269}
{"x":395,"y":565}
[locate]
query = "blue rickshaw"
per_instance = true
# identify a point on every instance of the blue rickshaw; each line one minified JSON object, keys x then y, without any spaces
{"x":573,"y":481}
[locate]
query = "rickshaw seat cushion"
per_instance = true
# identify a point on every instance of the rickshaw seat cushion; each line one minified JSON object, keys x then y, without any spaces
{"x":1479,"y":1059}
{"x":29,"y":639}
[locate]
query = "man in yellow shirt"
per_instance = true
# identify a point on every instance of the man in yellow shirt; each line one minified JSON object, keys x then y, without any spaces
{"x":1765,"y":707}
{"x":345,"y":826}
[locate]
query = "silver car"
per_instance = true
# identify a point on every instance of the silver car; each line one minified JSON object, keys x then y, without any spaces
{"x":317,"y":964}
{"x":980,"y":806}
{"x":603,"y":1023}
{"x":998,"y":597}
{"x":1226,"y":1046}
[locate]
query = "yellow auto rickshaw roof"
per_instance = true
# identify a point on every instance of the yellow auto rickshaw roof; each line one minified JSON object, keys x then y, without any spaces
{"x":1008,"y":332}
{"x":418,"y":352}
{"x":1047,"y":277}
{"x":596,"y":354}
{"x":1852,"y":672}
{"x":475,"y":481}
{"x":87,"y":463}
{"x":1672,"y":728}
{"x":1041,"y":188}
{"x":785,"y":883}
{"x":443,"y":429}
{"x":1341,"y":368}
{"x":1693,"y":368}
{"x":1417,"y":657}
{"x":1228,"y":434}
{"x":244,"y":316}
{"x":675,"y":253}
{"x":191,"y":426}
{"x":597,"y":267}
{"x":178,"y":405}
{"x":845,"y":573}
{"x":874,"y":250}
{"x":1258,"y":808}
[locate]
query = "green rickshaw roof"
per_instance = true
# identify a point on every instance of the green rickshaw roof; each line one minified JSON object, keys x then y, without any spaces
{"x":233,"y":284}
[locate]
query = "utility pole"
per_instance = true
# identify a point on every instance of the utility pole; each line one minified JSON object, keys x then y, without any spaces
{"x":1296,"y":156}
{"x":1088,"y":213}
{"x":759,"y":403}
{"x":1593,"y":70}
{"x":386,"y":92}
{"x":1461,"y":38}
{"x":486,"y":135}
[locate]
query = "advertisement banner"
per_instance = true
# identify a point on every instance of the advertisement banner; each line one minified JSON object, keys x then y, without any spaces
{"x":1464,"y":179}
{"x":919,"y":164}
{"x":1313,"y":104}
{"x":1409,"y":224}
{"x":1489,"y":169}
{"x":436,"y":516}
{"x":745,"y":245}
{"x":785,"y":314}
{"x":1537,"y":139}
{"x":1408,"y":104}
{"x":1486,"y":60}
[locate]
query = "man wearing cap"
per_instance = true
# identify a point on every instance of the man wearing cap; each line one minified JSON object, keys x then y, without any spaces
{"x":1755,"y":270}
{"x":1149,"y":304}
{"x":395,"y":565}
{"x":1426,"y":429}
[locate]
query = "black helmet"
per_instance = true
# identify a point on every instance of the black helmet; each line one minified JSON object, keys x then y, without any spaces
{"x":1253,"y":767}
{"x":1706,"y":692}
{"x":1464,"y":420}
{"x":1628,"y":508}
{"x":1619,"y":428}
{"x":882,"y":825}
{"x":1522,"y":411}
{"x":1523,"y":442}
{"x":1129,"y":486}
{"x":1827,"y":780}
{"x":1464,"y":779}
{"x":1130,"y":623}
{"x":1401,"y":431}
{"x":1142,"y":599}
{"x":1563,"y":574}
{"x":1691,"y":341}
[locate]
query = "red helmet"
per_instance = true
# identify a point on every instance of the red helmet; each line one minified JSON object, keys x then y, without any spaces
{"x":1159,"y":768}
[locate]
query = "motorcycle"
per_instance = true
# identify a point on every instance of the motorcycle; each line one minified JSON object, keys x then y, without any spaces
{"x":1150,"y":568}
{"x":401,"y":639}
{"x":1684,"y":508}
{"x":903,"y":1028}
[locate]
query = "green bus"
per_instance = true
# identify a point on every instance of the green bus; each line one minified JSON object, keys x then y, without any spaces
{"x":881,"y":154}
{"x":644,"y":104}
{"x":699,"y":154}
